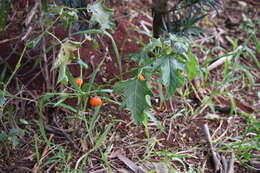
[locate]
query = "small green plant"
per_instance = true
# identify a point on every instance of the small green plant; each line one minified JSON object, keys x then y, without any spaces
{"x":171,"y":59}
{"x":180,"y":17}
{"x":246,"y":147}
{"x":9,"y":138}
{"x":5,"y":6}
{"x":61,"y":159}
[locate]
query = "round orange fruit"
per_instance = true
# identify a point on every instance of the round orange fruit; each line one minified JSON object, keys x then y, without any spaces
{"x":95,"y":101}
{"x":141,"y":77}
{"x":78,"y":81}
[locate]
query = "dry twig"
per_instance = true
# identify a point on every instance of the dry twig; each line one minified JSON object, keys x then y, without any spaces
{"x":216,"y":161}
{"x":222,"y":60}
{"x":32,"y":13}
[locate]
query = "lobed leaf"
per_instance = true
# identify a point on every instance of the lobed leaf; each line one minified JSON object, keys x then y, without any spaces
{"x":134,"y":97}
{"x":101,"y":15}
{"x":171,"y":76}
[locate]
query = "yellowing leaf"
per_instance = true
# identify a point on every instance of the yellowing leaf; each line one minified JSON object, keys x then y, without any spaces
{"x":66,"y":53}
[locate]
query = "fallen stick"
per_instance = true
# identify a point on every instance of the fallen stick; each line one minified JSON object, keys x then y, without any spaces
{"x":216,"y":161}
{"x":32,"y":13}
{"x":231,"y":164}
{"x":223,"y":60}
{"x":129,"y":163}
{"x":197,"y":81}
{"x":9,"y":39}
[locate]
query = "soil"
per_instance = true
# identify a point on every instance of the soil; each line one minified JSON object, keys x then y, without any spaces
{"x":183,"y":133}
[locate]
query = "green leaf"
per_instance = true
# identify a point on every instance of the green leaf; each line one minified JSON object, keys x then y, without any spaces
{"x":257,"y":43}
{"x":155,"y":121}
{"x":82,"y":63}
{"x":179,"y":44}
{"x":102,"y":138}
{"x":15,"y":141}
{"x":101,"y":15}
{"x":2,"y":98}
{"x":93,"y":122}
{"x":45,"y":5}
{"x":192,"y":66}
{"x":143,"y":55}
{"x":13,"y":132}
{"x":171,"y":76}
{"x":63,"y":105}
{"x":24,"y":122}
{"x":71,"y":79}
{"x":43,"y":132}
{"x":95,"y":44}
{"x":252,"y":54}
{"x":4,"y":9}
{"x":3,"y":137}
{"x":134,"y":97}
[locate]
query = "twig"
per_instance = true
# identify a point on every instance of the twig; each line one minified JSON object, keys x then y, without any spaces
{"x":28,"y":32}
{"x":59,"y":132}
{"x":197,"y":81}
{"x":11,"y":168}
{"x":130,"y":164}
{"x":224,"y":164}
{"x":218,"y":128}
{"x":32,"y":13}
{"x":222,"y":60}
{"x":100,"y":170}
{"x":214,"y":154}
{"x":9,"y":39}
{"x":231,"y":164}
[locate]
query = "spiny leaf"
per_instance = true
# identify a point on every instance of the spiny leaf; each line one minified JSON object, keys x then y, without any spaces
{"x":179,"y":44}
{"x":171,"y":76}
{"x":101,"y":15}
{"x":134,"y":93}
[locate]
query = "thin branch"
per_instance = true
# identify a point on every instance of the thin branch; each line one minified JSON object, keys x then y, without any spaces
{"x":32,"y":13}
{"x":223,"y":60}
{"x":216,"y":161}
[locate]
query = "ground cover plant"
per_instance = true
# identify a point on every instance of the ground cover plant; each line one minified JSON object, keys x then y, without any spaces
{"x":129,"y":86}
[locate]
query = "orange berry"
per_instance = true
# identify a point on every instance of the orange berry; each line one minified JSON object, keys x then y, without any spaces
{"x":141,"y":77}
{"x":95,"y":101}
{"x":78,"y":81}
